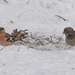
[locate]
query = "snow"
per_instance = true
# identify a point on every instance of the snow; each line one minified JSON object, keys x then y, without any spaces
{"x":40,"y":18}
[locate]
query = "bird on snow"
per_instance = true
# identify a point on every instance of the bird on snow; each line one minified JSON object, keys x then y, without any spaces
{"x":70,"y":36}
{"x":5,"y":38}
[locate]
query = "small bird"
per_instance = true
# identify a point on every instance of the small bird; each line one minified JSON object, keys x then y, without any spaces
{"x":70,"y":36}
{"x":5,"y":38}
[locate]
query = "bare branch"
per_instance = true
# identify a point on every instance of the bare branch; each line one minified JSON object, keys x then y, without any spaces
{"x":6,"y":1}
{"x":28,"y":2}
{"x":61,"y":17}
{"x":2,"y":48}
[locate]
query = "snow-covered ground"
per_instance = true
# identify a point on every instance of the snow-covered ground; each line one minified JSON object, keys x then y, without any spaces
{"x":41,"y":18}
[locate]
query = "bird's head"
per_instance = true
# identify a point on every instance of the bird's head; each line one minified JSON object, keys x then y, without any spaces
{"x":2,"y":31}
{"x":68,"y":30}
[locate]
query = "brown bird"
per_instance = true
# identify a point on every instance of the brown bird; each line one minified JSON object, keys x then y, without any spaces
{"x":70,"y":36}
{"x":5,"y":38}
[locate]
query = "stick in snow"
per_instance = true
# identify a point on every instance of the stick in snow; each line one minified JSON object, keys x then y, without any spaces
{"x":2,"y":48}
{"x":6,"y":1}
{"x":61,"y":17}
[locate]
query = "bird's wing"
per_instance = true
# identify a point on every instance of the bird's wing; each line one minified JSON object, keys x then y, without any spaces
{"x":8,"y":35}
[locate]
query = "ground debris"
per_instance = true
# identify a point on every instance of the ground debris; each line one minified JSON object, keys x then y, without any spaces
{"x":20,"y":34}
{"x":42,"y":42}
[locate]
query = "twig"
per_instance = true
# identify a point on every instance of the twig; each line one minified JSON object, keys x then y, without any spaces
{"x":2,"y":48}
{"x":32,"y":36}
{"x":6,"y":1}
{"x":11,"y":21}
{"x":51,"y":39}
{"x":61,"y":17}
{"x":28,"y":2}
